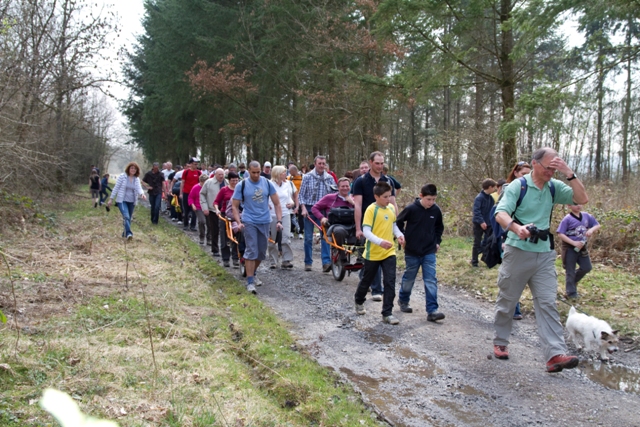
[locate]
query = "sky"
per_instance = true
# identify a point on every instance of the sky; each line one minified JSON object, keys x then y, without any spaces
{"x":129,"y":15}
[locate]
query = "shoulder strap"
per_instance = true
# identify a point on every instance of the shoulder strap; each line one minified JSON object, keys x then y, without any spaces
{"x":242,"y":190}
{"x":523,"y":191}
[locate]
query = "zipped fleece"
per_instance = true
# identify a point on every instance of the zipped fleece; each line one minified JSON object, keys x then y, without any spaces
{"x":421,"y":227}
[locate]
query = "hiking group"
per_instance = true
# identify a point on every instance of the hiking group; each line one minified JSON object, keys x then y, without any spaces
{"x":251,"y":214}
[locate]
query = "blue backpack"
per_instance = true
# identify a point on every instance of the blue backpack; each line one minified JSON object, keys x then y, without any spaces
{"x":492,"y":247}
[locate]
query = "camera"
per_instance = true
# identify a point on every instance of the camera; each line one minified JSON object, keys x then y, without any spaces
{"x":535,"y":236}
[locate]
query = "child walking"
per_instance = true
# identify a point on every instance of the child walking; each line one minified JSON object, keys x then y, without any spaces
{"x":481,"y":221}
{"x":574,"y":230}
{"x":379,"y":227}
{"x":422,"y":224}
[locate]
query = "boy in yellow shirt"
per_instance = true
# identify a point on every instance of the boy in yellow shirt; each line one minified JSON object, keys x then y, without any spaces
{"x":379,"y":227}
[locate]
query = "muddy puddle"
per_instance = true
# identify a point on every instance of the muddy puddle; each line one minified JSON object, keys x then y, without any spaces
{"x":615,"y":377}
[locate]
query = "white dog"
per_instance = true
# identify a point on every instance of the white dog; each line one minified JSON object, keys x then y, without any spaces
{"x":596,"y":334}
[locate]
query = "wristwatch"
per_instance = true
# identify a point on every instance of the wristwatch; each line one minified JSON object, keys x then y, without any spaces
{"x":574,"y":176}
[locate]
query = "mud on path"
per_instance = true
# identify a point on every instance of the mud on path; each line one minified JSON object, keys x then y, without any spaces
{"x":421,"y":373}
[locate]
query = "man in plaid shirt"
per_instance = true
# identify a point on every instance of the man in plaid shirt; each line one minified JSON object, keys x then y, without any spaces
{"x":315,"y":185}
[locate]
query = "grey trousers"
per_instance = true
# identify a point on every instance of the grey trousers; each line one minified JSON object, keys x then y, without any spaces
{"x":287,"y":252}
{"x":518,"y":269}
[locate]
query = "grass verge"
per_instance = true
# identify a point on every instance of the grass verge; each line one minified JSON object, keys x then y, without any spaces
{"x":152,"y":332}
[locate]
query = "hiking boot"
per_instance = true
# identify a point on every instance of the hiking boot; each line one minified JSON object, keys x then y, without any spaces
{"x":286,"y":264}
{"x":273,"y":266}
{"x":501,"y":352}
{"x":360,"y":309}
{"x":107,"y":208}
{"x":326,"y":268}
{"x":377,"y":297}
{"x":257,"y":281}
{"x":404,"y":307}
{"x":202,"y":241}
{"x":226,"y":263}
{"x":236,"y":263}
{"x":95,"y":205}
{"x":129,"y":237}
{"x":390,"y":320}
{"x":517,"y":317}
{"x":432,"y":317}
{"x":251,"y":288}
{"x":561,"y":361}
{"x":307,"y":267}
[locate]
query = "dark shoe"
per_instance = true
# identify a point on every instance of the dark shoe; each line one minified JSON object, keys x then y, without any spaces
{"x":193,"y":229}
{"x":572,"y":296}
{"x":562,"y":361}
{"x":517,"y":317}
{"x":185,"y":228}
{"x":236,"y":263}
{"x":202,"y":241}
{"x":326,"y":268}
{"x":208,"y":242}
{"x":107,"y":208}
{"x":216,"y":254}
{"x":307,"y":267}
{"x":501,"y":352}
{"x":404,"y":307}
{"x":286,"y":264}
{"x":95,"y":205}
{"x":226,"y":263}
{"x":432,"y":317}
{"x":273,"y":266}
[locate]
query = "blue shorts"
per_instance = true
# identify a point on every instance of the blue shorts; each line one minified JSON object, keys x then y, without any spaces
{"x":255,"y":239}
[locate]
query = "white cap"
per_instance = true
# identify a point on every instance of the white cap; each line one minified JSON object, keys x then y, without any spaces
{"x":267,"y":164}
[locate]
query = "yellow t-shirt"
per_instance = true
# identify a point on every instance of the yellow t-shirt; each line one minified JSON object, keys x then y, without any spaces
{"x":381,"y":221}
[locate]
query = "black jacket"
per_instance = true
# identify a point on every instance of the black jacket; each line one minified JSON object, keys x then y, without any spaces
{"x":422,"y":228}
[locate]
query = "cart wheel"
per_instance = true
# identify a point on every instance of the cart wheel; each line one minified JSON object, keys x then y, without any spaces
{"x":337,"y":269}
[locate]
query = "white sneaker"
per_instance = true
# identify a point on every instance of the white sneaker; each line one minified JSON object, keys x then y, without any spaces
{"x":257,"y":281}
{"x":251,"y":288}
{"x":300,"y":236}
{"x":377,"y":297}
{"x":360,"y":309}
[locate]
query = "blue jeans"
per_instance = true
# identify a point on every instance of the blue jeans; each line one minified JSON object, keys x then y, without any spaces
{"x":154,"y":202}
{"x":325,"y":249}
{"x":126,"y":209}
{"x":103,"y":197}
{"x":428,"y":264}
{"x":376,"y":283}
{"x":371,"y":268}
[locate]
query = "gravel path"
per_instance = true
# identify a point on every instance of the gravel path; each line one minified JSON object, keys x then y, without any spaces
{"x":421,"y":373}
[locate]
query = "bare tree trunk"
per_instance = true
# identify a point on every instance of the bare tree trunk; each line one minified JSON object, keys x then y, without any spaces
{"x":509,"y":149}
{"x":599,"y":143}
{"x":627,"y":109}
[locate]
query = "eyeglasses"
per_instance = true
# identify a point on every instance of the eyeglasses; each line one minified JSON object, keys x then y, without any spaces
{"x":547,"y":168}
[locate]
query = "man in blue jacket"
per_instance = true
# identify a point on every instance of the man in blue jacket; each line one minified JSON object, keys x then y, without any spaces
{"x":481,"y":221}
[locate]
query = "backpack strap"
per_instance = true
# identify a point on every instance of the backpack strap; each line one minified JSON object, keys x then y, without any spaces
{"x":523,"y":192}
